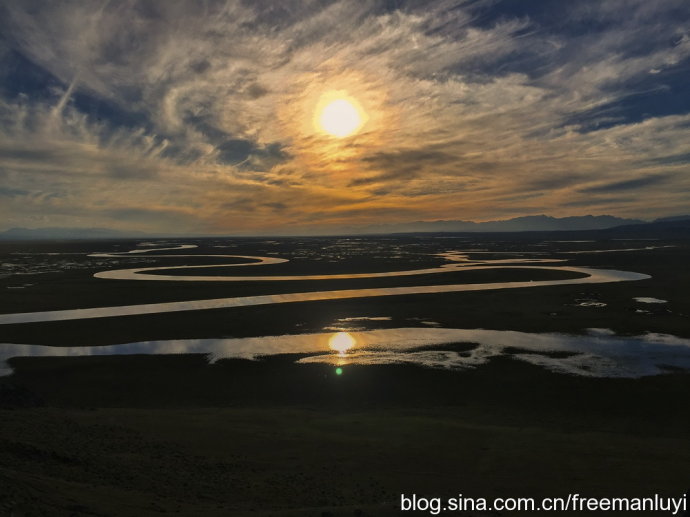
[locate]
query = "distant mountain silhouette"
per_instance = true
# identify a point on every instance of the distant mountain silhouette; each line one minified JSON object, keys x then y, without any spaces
{"x":519,"y":224}
{"x":673,"y":218}
{"x":588,"y":226}
{"x":666,"y":228}
{"x":65,"y":233}
{"x":676,"y":228}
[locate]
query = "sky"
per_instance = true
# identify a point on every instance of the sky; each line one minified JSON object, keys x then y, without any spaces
{"x":198,"y":117}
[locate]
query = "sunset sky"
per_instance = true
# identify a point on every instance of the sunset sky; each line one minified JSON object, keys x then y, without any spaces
{"x":204,"y":117}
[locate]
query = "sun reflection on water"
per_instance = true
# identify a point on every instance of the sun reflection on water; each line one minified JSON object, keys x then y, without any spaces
{"x":341,"y":342}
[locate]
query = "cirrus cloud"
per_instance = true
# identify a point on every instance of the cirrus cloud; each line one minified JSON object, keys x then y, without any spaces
{"x":197,"y":116}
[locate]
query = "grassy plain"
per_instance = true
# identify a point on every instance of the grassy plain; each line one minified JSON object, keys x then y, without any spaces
{"x":146,"y":435}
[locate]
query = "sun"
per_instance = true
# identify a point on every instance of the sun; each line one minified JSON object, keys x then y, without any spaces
{"x":340,"y":118}
{"x":339,"y":115}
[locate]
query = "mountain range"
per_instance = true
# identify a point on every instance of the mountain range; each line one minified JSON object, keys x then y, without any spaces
{"x":532,"y":223}
{"x":528,"y":223}
{"x":65,"y":234}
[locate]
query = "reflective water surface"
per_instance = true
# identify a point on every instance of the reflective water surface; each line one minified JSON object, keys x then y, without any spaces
{"x":600,"y":353}
{"x":457,"y":260}
{"x":593,"y":276}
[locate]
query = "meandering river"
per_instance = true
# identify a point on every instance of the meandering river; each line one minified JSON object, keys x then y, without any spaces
{"x":457,"y":261}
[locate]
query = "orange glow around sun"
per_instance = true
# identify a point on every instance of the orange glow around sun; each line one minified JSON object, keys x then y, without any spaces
{"x":330,"y":120}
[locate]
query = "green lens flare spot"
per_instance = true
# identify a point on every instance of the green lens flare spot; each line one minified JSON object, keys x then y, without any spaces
{"x":338,"y":371}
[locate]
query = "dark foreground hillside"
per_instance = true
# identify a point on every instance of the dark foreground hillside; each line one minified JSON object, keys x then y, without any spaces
{"x":140,"y":435}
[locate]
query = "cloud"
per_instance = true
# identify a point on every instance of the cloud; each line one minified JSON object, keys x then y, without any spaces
{"x":401,"y":165}
{"x":204,"y":112}
{"x":632,"y":184}
{"x":12,"y":192}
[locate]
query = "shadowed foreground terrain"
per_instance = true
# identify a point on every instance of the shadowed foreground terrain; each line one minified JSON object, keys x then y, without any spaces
{"x":139,"y":435}
{"x":142,"y":435}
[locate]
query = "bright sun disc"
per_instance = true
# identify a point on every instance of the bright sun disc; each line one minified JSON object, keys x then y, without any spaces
{"x":340,"y":117}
